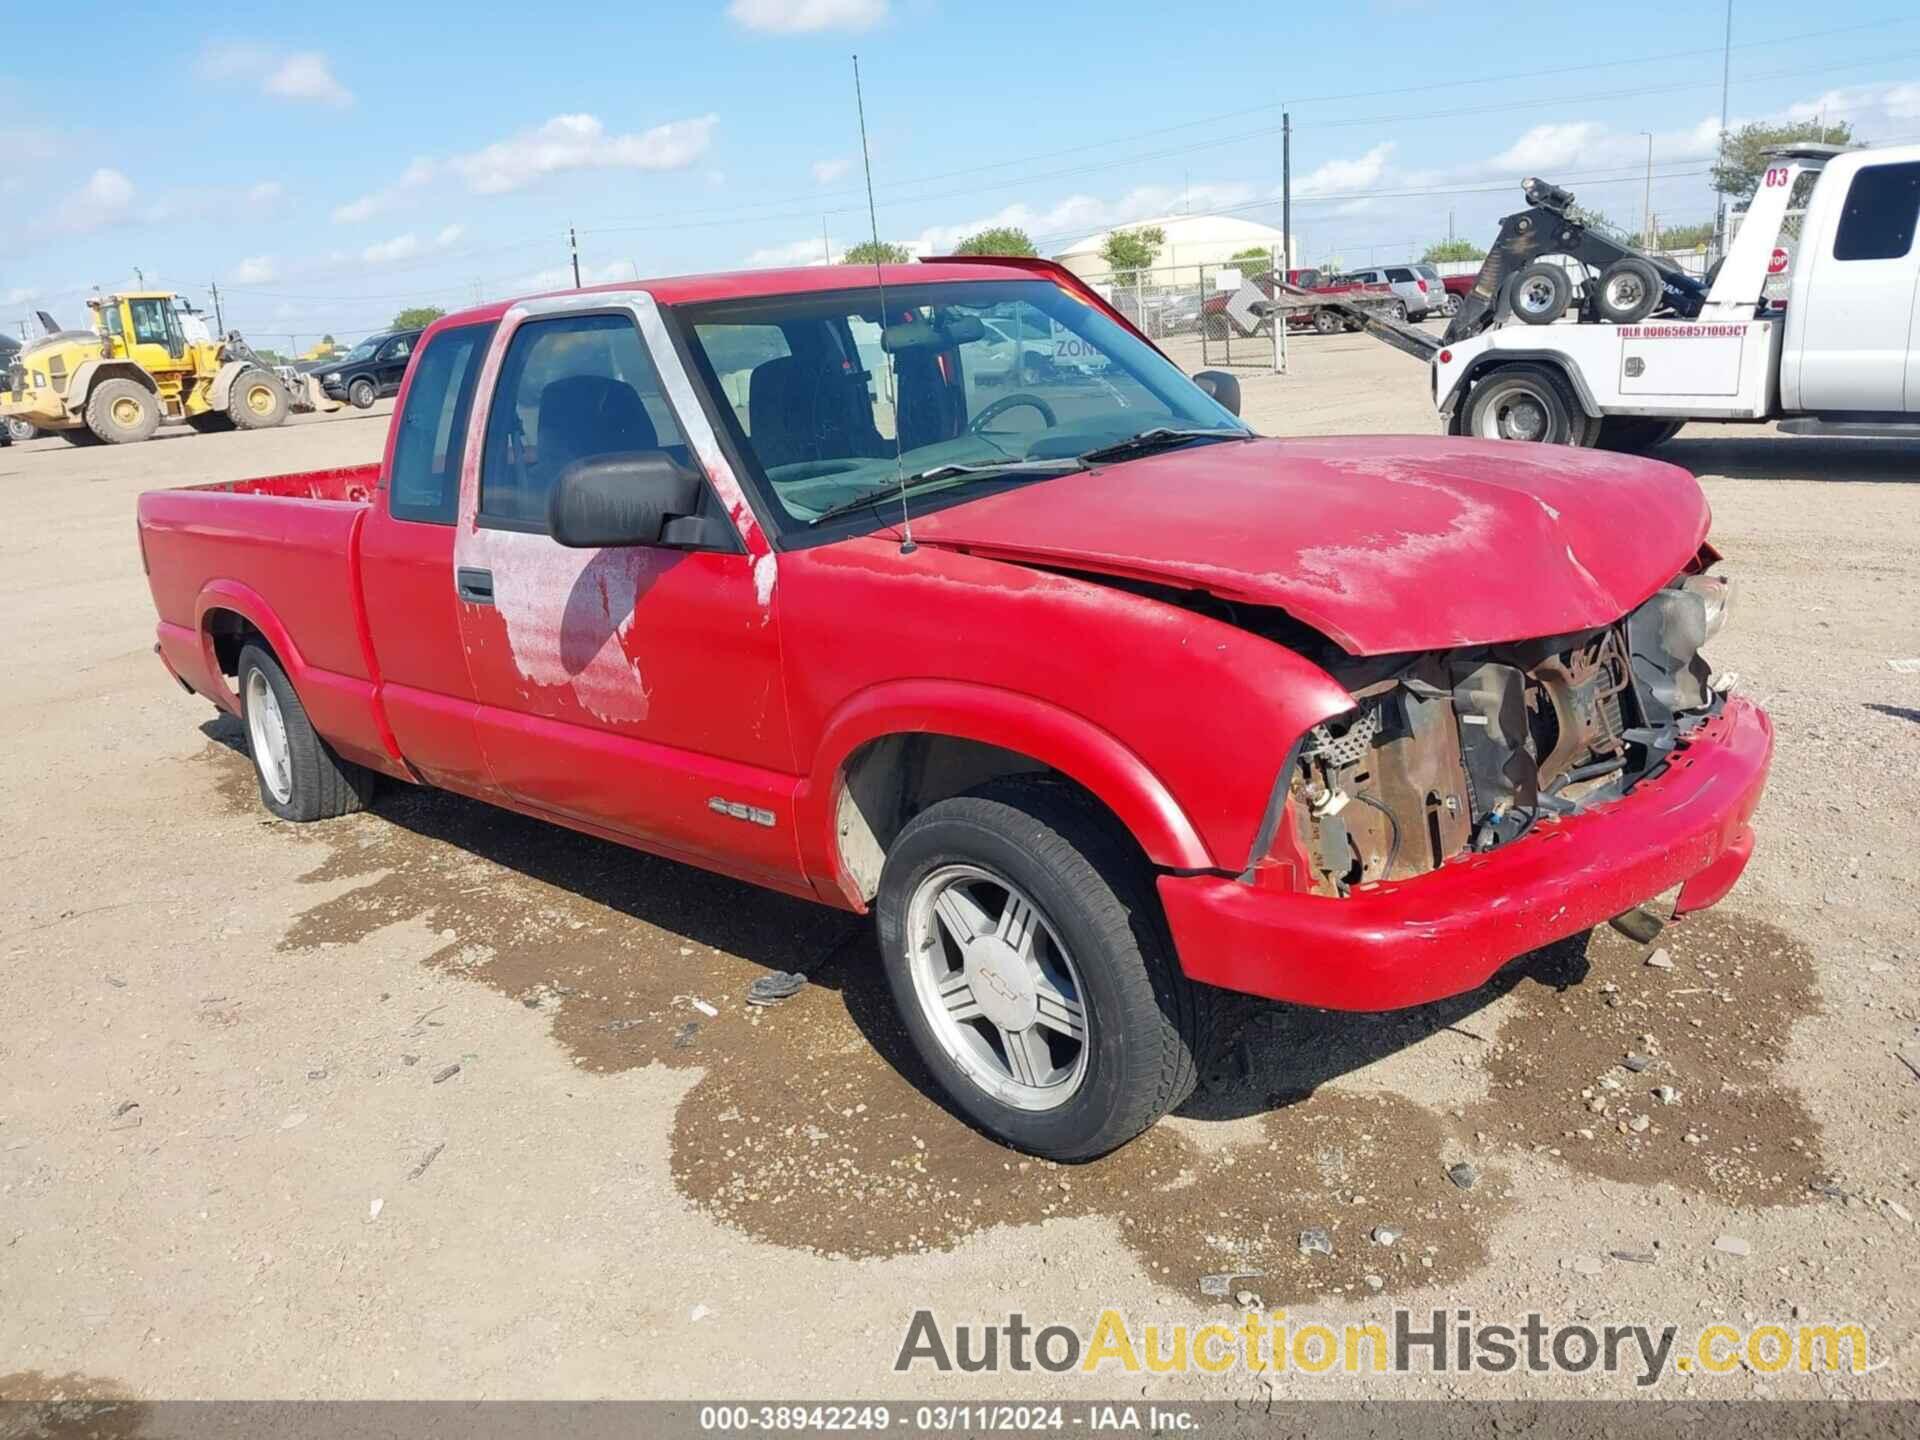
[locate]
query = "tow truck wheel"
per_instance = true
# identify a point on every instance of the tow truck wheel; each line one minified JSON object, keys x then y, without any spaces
{"x":1025,"y":949}
{"x":1629,"y":290}
{"x":1526,"y":402}
{"x":122,"y":411}
{"x":300,"y":776}
{"x":1541,"y":293}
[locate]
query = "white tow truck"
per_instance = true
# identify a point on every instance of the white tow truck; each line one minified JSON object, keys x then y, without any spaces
{"x":1646,"y":348}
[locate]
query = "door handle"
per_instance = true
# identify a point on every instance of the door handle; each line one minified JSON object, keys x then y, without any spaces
{"x":474,"y":586}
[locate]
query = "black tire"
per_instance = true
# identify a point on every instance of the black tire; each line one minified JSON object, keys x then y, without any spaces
{"x":21,"y":431}
{"x":1526,"y":403}
{"x":120,"y":412}
{"x":1634,"y":434}
{"x":322,"y":785}
{"x":1628,"y":291}
{"x":1398,"y":311}
{"x":1540,"y":294}
{"x":257,"y":400}
{"x":362,"y":393}
{"x":1148,"y":1027}
{"x":1325,"y":322}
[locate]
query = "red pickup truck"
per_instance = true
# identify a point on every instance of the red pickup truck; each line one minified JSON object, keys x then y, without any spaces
{"x":1099,"y":701}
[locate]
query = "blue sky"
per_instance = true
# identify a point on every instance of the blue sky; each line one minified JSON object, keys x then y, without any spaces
{"x":328,"y":165}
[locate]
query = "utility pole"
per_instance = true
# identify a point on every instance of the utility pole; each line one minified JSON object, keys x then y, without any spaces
{"x":1726,"y":76}
{"x":826,"y":245}
{"x":141,"y":276}
{"x":219,"y":321}
{"x":1646,"y":204}
{"x":1285,"y":262}
{"x":573,"y":245}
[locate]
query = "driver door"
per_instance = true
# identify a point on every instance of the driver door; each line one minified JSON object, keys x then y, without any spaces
{"x":632,"y":689}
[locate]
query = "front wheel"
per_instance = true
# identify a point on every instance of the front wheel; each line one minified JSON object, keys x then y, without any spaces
{"x":361,"y":393}
{"x":120,"y":412}
{"x":1024,"y":946}
{"x":300,"y":776}
{"x":257,"y":401}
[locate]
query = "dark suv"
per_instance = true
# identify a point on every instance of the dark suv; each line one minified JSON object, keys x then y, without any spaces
{"x":371,"y":369}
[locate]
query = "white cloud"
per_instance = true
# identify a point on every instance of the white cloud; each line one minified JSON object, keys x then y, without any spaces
{"x":1337,"y":176}
{"x":560,"y":277}
{"x":400,"y":247}
{"x":800,"y":252}
{"x":798,"y":17}
{"x":307,"y":76}
{"x":255,"y":270}
{"x":20,"y":295}
{"x":825,"y":172}
{"x":266,"y":193}
{"x":1056,"y":226}
{"x":419,"y":173}
{"x":301,"y":75}
{"x":105,"y":199}
{"x":1864,"y":106}
{"x":449,"y":236}
{"x":581,"y":142}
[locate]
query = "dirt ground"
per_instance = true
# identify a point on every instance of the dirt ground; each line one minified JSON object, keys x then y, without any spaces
{"x":437,"y":1101}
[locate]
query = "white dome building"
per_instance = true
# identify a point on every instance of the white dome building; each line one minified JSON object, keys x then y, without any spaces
{"x":1193,"y":241}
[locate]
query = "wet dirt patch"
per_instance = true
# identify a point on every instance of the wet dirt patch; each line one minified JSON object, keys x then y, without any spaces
{"x":68,"y":1407}
{"x":815,"y":1128}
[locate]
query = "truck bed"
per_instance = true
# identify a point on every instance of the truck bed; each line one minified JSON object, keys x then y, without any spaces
{"x":279,"y":554}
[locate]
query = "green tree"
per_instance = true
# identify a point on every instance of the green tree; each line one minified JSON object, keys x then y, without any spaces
{"x":417,"y":317}
{"x":1736,"y":174}
{"x":1128,"y":252}
{"x":1453,"y":250}
{"x":997,"y":240}
{"x":876,"y":252}
{"x":1679,"y":237}
{"x":1253,"y":260}
{"x":1595,"y":220}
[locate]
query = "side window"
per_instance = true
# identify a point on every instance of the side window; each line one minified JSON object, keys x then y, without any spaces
{"x":425,"y":484}
{"x":149,"y":322}
{"x":397,"y":349}
{"x":570,"y":388}
{"x":1400,"y":275}
{"x":1877,"y":222}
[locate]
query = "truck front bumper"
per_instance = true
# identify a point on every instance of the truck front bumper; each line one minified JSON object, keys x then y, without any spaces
{"x":1409,"y":942}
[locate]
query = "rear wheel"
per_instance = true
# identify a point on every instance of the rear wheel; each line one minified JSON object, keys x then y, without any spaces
{"x":122,"y":411}
{"x":1025,"y":948}
{"x":362,"y":394}
{"x":1325,"y":322}
{"x":1541,"y":293}
{"x":1398,"y":311}
{"x":300,"y":776}
{"x":1526,"y":402}
{"x":257,"y":400}
{"x":20,"y":431}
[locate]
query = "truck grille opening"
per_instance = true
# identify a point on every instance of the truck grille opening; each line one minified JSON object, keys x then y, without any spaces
{"x":1451,"y":752}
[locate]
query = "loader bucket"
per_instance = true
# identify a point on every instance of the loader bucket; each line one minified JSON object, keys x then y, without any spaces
{"x":312,"y":397}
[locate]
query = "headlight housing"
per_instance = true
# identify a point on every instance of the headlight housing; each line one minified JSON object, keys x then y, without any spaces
{"x":1715,"y":593}
{"x":331,"y":375}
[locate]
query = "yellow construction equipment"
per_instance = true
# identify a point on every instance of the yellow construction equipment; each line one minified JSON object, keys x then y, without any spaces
{"x":140,"y":365}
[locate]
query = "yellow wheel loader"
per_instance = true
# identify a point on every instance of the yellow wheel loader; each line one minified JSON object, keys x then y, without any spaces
{"x":139,"y":367}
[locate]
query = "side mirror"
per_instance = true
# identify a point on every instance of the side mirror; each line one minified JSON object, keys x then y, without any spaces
{"x":1223,"y":387}
{"x":626,"y":498}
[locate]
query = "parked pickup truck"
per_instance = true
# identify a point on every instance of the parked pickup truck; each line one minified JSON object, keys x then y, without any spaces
{"x":1100,"y":702}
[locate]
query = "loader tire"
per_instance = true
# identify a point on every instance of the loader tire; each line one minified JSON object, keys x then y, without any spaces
{"x":257,"y":401}
{"x":122,"y":411}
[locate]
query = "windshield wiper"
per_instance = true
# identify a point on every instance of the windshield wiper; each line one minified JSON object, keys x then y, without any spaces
{"x":1161,"y":437}
{"x":1003,"y":469}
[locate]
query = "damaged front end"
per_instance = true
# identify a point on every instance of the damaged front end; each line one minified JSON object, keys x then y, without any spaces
{"x":1452,"y":752}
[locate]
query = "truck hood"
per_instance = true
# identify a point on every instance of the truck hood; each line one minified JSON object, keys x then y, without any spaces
{"x":1381,"y":543}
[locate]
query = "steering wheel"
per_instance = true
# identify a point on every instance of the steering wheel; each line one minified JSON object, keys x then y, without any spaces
{"x":1010,"y":402}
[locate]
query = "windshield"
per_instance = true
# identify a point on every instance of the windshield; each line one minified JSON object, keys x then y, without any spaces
{"x":363,"y":351}
{"x":964,"y":374}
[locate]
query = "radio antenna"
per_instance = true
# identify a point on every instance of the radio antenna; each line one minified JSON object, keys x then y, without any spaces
{"x":907,"y":547}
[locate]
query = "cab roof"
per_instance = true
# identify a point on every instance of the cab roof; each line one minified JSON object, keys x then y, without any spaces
{"x":798,"y":280}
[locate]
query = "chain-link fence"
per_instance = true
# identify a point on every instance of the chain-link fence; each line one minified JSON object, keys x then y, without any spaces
{"x":1213,"y":308}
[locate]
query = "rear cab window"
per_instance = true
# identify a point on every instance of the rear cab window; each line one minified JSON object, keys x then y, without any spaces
{"x":424,"y":484}
{"x":1878,"y":219}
